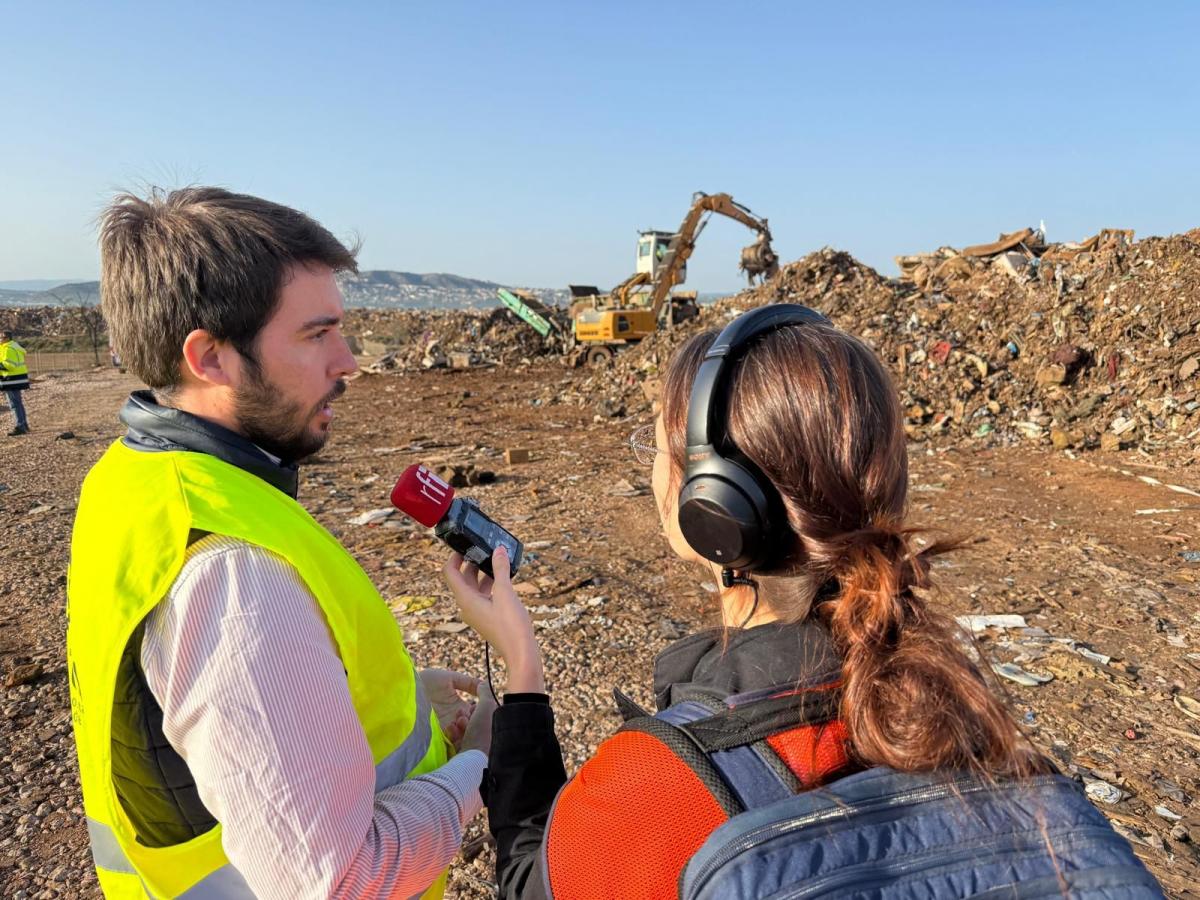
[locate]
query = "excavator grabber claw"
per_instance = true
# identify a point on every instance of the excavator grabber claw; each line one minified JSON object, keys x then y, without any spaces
{"x":760,"y":260}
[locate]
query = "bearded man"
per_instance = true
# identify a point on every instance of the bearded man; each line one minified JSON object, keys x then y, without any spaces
{"x":248,"y":720}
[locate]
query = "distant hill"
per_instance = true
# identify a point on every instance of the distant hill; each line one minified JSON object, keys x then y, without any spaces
{"x":35,"y":284}
{"x":71,"y":294}
{"x":384,"y":288}
{"x":436,"y":280}
{"x":373,"y":289}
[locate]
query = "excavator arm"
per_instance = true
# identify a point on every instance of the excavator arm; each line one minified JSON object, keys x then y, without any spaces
{"x":684,"y":242}
{"x":622,"y":293}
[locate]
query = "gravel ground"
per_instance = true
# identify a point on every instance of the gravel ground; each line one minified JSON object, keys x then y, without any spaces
{"x":1059,"y":540}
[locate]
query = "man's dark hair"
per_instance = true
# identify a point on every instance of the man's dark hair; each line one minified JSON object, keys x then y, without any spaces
{"x":199,"y":257}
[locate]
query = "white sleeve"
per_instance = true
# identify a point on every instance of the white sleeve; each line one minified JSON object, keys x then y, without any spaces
{"x":255,"y":700}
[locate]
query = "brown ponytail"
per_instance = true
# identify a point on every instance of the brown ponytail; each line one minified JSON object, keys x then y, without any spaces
{"x":814,"y":409}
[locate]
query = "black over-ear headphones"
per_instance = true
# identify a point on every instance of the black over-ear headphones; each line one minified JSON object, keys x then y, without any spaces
{"x":728,"y":509}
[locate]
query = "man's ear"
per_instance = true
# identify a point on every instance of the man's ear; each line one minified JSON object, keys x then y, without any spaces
{"x":207,"y":359}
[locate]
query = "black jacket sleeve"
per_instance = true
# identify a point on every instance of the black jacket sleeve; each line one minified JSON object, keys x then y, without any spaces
{"x":525,"y":773}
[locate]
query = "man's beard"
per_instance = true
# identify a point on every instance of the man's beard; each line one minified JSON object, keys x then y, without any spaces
{"x":278,"y":426}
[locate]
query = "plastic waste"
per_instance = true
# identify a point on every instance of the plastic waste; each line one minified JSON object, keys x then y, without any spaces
{"x":1016,"y":674}
{"x":978,"y":623}
{"x":1103,"y":792}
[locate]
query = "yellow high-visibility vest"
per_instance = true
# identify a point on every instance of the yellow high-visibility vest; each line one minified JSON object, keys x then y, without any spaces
{"x":136,"y":511}
{"x":13,"y":370}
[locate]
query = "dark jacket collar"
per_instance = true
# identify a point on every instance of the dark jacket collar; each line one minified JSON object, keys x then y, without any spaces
{"x":751,"y":659}
{"x":154,"y":427}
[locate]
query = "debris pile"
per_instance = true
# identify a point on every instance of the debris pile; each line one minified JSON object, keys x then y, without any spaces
{"x":1073,"y":345}
{"x":53,"y":328}
{"x":414,"y":339}
{"x":1090,"y":345}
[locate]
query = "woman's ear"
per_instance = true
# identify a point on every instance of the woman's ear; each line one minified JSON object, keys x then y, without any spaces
{"x":666,"y":483}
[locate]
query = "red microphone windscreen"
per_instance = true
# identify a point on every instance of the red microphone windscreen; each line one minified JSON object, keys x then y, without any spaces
{"x":422,"y":495}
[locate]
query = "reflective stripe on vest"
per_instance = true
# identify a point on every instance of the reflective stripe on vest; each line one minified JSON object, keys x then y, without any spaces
{"x":225,"y":883}
{"x":122,"y":566}
{"x":106,"y":849}
{"x":394,"y":767}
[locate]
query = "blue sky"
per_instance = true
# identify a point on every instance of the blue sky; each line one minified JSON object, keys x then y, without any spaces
{"x":527,"y":142}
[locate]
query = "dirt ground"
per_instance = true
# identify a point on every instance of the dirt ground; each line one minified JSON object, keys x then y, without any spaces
{"x":1081,"y":547}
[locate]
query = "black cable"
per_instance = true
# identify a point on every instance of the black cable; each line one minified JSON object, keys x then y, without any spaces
{"x":730,"y":579}
{"x":753,"y":606}
{"x":487,"y":663}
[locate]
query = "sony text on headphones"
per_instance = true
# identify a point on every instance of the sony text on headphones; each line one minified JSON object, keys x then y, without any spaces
{"x":728,"y":510}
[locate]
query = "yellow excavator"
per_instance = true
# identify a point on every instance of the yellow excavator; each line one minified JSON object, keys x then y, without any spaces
{"x":639,"y":305}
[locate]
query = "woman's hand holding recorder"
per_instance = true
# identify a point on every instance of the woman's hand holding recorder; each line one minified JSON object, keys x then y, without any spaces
{"x":494,"y":610}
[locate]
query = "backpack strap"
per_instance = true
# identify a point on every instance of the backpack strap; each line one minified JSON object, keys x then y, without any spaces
{"x":627,"y":707}
{"x":745,"y":722}
{"x":725,"y":745}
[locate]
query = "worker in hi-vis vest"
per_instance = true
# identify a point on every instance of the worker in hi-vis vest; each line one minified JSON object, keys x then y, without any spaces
{"x":248,"y":721}
{"x":14,"y":378}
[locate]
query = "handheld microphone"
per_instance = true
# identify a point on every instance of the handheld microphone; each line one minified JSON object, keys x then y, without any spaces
{"x":458,"y":521}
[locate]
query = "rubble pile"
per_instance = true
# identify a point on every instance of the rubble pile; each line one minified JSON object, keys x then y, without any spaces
{"x":1091,"y":345}
{"x":630,"y":383}
{"x":1075,"y":345}
{"x":45,"y":327}
{"x":413,"y":339}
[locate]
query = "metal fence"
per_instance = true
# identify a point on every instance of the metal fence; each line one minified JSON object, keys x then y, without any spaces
{"x":42,"y":361}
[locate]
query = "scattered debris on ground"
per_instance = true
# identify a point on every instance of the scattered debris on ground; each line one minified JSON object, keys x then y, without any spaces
{"x":1096,"y":603}
{"x":404,"y":340}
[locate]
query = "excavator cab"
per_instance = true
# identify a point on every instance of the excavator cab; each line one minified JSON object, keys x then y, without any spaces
{"x":654,"y":252}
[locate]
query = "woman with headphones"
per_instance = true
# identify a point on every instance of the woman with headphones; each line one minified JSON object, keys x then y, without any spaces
{"x":780,"y":463}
